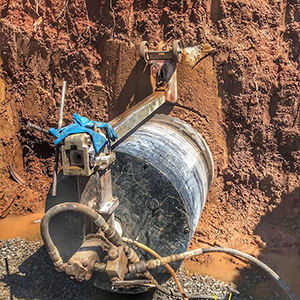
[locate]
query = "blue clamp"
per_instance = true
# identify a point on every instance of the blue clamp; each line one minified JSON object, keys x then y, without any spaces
{"x":84,"y":125}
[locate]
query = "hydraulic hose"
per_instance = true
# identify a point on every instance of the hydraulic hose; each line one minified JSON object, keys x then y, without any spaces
{"x":165,"y":260}
{"x":155,"y":254}
{"x":172,"y":272}
{"x":110,"y":233}
{"x":257,"y":262}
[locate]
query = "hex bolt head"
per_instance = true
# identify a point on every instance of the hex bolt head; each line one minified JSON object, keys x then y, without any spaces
{"x":87,"y":277}
{"x":113,"y":253}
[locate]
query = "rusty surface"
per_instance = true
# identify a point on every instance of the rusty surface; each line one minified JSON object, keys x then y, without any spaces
{"x":131,"y":284}
{"x":109,"y":207}
{"x":117,"y":265}
{"x":81,"y":265}
{"x":163,"y":77}
{"x":16,"y":176}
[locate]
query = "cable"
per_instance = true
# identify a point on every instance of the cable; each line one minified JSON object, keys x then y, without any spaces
{"x":151,"y":264}
{"x":155,"y":254}
{"x":114,"y":237}
{"x":257,"y":262}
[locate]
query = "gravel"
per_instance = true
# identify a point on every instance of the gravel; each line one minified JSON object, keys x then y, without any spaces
{"x":204,"y":285}
{"x":26,"y":272}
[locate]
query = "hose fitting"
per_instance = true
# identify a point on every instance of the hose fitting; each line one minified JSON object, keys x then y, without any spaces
{"x":55,"y":257}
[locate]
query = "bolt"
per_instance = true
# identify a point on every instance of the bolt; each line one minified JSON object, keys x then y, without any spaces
{"x":113,"y":253}
{"x":85,"y":264}
{"x":153,"y":204}
{"x":186,"y":230}
{"x":114,"y":279}
{"x":87,"y":277}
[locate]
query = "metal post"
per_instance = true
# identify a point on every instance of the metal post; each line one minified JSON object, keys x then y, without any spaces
{"x":60,"y":120}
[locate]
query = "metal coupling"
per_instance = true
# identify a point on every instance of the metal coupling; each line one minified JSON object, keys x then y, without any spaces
{"x":131,"y":255}
{"x":138,"y":268}
{"x":113,"y":253}
{"x":111,"y":234}
{"x":55,"y":257}
{"x":100,"y":222}
{"x":143,"y":266}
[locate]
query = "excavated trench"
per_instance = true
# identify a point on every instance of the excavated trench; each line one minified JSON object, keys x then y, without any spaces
{"x":238,"y":86}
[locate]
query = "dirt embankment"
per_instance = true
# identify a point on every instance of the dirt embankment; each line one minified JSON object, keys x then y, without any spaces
{"x":244,"y":99}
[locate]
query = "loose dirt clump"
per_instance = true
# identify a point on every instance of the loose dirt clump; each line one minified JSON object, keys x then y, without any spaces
{"x":243,"y":97}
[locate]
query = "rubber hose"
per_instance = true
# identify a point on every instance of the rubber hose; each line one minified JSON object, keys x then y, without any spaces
{"x":233,"y":252}
{"x":155,"y":254}
{"x":110,"y":233}
{"x":257,"y":262}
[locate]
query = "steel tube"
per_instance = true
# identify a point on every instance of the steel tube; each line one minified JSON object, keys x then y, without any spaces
{"x":60,"y":120}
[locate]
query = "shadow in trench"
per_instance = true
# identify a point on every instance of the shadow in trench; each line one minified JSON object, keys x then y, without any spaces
{"x":126,"y":76}
{"x":38,"y":280}
{"x":280,"y":230}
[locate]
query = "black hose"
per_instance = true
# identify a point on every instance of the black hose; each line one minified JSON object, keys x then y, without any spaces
{"x":232,"y":252}
{"x":110,"y":233}
{"x":257,"y":262}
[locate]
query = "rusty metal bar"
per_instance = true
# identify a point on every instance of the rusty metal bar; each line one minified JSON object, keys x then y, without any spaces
{"x":128,"y":120}
{"x":14,"y":173}
{"x":161,"y":55}
{"x":38,"y":128}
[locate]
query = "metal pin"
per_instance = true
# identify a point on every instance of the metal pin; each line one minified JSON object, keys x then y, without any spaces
{"x":38,"y":128}
{"x":60,"y":120}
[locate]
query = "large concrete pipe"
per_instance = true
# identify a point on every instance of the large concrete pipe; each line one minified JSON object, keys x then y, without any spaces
{"x":161,"y":176}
